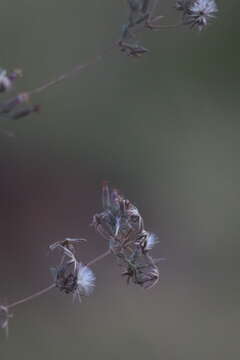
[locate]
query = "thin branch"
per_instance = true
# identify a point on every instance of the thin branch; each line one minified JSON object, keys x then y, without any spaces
{"x":47,"y":289}
{"x":77,"y":69}
{"x":31,"y":297}
{"x":99,"y":258}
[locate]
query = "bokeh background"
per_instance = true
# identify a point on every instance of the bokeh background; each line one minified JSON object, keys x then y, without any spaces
{"x":165,"y":130}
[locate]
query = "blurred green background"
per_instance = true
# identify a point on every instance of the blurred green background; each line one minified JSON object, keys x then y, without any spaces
{"x":165,"y":130}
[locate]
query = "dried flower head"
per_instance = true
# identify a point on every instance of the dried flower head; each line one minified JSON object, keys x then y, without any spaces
{"x":141,"y":270}
{"x":6,"y":80}
{"x":70,"y":276}
{"x":121,"y":224}
{"x":197,"y":13}
{"x":119,"y":219}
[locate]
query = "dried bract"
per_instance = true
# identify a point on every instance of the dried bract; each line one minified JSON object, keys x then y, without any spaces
{"x":119,"y":219}
{"x":4,"y":318}
{"x":146,"y":241}
{"x":142,"y":271}
{"x":67,"y":242}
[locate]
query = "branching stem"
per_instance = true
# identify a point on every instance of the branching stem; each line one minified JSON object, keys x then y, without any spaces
{"x":52,"y":286}
{"x":31,"y":297}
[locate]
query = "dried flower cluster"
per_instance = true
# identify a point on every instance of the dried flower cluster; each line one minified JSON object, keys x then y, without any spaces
{"x":122,"y":225}
{"x":120,"y":222}
{"x":142,"y":16}
{"x":195,"y":13}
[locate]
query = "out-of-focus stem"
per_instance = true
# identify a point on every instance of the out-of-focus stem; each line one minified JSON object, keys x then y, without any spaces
{"x":31,"y":297}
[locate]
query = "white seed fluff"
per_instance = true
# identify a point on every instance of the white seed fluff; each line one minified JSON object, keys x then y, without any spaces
{"x":151,"y":241}
{"x":85,"y":280}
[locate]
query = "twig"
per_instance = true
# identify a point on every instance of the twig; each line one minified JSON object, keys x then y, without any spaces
{"x":31,"y":297}
{"x":52,"y":286}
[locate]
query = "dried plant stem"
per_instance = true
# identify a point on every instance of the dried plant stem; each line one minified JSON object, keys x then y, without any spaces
{"x":164,"y":26}
{"x":99,"y":258}
{"x":77,"y":69}
{"x":80,"y":67}
{"x":52,"y":286}
{"x":31,"y":297}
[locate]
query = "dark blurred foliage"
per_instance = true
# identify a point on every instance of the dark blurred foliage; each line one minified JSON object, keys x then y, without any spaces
{"x":165,"y":130}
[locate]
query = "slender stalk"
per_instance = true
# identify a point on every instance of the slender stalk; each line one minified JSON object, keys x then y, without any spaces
{"x":80,"y":67}
{"x":163,"y":26}
{"x":31,"y":297}
{"x":99,"y":258}
{"x":52,"y":286}
{"x":150,"y":20}
{"x":77,"y":69}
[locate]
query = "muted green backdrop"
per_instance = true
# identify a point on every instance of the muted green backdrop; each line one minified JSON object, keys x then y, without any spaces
{"x":165,"y":130}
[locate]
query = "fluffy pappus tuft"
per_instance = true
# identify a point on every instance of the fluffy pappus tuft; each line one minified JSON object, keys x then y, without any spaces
{"x":85,"y":280}
{"x":151,"y":241}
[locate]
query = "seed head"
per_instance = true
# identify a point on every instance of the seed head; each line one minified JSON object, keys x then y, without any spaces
{"x":70,"y":276}
{"x":142,"y":271}
{"x":146,"y":240}
{"x":122,"y":225}
{"x":6,"y":80}
{"x":197,"y":13}
{"x":119,"y":219}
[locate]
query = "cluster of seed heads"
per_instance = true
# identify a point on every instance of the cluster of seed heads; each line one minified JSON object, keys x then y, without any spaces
{"x":195,"y":13}
{"x":121,"y":224}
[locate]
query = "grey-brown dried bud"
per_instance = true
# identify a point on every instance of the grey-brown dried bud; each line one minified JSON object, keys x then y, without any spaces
{"x":14,"y":102}
{"x":25,"y":112}
{"x":65,"y":279}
